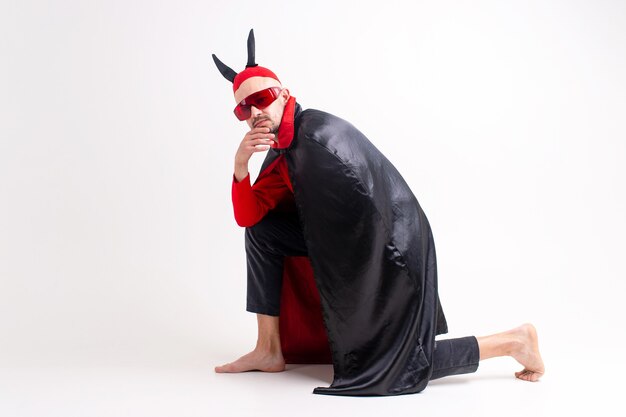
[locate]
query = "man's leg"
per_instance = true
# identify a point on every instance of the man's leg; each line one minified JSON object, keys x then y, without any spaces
{"x":522,"y":344}
{"x":460,"y":356}
{"x":267,"y":355}
{"x":455,"y":356}
{"x":267,"y":243}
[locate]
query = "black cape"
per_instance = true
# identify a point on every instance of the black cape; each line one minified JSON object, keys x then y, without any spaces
{"x":373,"y":257}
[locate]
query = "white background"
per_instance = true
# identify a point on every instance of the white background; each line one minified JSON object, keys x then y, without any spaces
{"x":122,"y":270}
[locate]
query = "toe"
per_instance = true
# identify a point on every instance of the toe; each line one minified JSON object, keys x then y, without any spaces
{"x":223,"y":368}
{"x":528,"y":375}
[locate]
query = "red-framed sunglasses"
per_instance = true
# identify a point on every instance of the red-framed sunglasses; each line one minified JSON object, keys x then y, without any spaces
{"x":260,"y":100}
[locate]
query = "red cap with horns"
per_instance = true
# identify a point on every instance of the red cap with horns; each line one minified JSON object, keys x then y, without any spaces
{"x":252,"y":69}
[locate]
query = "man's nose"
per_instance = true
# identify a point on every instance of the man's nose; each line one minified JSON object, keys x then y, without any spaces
{"x":254,"y":111}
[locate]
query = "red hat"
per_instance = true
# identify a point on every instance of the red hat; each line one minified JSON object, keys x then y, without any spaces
{"x":252,"y":69}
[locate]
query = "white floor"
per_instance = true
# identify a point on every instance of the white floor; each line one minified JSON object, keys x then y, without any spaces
{"x":573,"y":385}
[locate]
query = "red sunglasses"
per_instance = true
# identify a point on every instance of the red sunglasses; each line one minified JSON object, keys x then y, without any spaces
{"x":260,"y":100}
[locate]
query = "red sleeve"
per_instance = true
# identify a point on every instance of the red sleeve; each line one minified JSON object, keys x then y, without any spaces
{"x":251,"y":203}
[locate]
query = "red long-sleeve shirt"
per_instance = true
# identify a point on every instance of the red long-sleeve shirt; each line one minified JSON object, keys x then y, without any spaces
{"x":251,"y":203}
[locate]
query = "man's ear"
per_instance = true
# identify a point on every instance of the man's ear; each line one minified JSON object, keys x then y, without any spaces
{"x":285,"y":95}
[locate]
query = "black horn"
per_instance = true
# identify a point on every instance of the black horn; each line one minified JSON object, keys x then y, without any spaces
{"x":251,"y":62}
{"x":226,"y":71}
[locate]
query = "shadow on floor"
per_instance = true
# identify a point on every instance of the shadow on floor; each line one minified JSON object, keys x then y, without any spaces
{"x":454,"y":380}
{"x":324,"y":375}
{"x":321,"y":373}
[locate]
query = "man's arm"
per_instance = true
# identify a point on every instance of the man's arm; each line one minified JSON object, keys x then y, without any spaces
{"x":258,"y":139}
{"x":241,"y":171}
{"x":251,"y":203}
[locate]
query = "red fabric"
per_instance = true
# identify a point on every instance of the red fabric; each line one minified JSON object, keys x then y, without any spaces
{"x":286,"y":129}
{"x":302,"y":333}
{"x":251,"y":203}
{"x":257,"y":71}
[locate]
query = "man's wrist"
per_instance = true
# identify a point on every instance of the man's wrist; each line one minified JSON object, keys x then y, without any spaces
{"x":241,"y":171}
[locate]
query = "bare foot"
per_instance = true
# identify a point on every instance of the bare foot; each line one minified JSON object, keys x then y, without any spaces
{"x":526,"y":351}
{"x":257,"y":360}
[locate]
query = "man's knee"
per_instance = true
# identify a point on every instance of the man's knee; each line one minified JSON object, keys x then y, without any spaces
{"x":277,"y":233}
{"x":262,"y":231}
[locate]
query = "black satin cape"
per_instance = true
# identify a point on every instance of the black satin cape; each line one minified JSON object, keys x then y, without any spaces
{"x":373,"y":257}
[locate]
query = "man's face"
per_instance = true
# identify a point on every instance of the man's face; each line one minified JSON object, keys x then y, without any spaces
{"x":272,"y":114}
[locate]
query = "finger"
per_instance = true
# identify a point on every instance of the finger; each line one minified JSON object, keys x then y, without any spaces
{"x":259,"y":141}
{"x":259,"y":130}
{"x":263,"y":141}
{"x":259,"y":134}
{"x":252,"y":146}
{"x":255,"y":141}
{"x":261,"y":148}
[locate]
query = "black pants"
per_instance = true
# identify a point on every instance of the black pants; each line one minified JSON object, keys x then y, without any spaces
{"x":279,"y":235}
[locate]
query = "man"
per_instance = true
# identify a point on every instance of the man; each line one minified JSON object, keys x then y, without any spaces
{"x":326,"y":193}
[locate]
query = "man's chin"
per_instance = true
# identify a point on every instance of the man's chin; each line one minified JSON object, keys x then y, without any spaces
{"x":273,"y":129}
